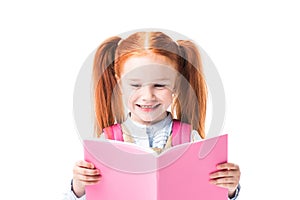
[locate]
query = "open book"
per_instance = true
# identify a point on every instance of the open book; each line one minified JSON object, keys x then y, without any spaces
{"x":137,"y":173}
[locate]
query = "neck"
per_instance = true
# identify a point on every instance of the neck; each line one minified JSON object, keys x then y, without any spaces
{"x":149,"y":123}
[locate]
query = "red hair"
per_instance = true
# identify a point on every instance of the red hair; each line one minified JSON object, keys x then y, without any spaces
{"x":190,"y":103}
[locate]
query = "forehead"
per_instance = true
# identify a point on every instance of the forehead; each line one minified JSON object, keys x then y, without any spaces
{"x":147,"y":64}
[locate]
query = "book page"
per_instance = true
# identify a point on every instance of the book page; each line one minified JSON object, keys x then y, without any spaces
{"x":128,"y":171}
{"x":188,"y":176}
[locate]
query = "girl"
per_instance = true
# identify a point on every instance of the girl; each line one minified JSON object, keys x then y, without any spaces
{"x":149,"y":74}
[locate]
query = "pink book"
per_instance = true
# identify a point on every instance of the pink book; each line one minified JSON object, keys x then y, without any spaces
{"x":133,"y":172}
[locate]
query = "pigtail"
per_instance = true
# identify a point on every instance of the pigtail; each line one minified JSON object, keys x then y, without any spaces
{"x":192,"y":94}
{"x":107,"y":102}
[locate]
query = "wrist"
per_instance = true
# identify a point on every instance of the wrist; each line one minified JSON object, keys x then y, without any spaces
{"x":77,"y":188}
{"x":231,"y":194}
{"x":235,"y":193}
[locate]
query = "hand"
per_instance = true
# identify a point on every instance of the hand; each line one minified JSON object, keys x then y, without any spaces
{"x":84,"y":173}
{"x":227,"y":176}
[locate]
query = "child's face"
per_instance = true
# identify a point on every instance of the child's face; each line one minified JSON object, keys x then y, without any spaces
{"x":147,"y":84}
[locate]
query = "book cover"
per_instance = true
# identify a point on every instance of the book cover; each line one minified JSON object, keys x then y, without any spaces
{"x":133,"y":172}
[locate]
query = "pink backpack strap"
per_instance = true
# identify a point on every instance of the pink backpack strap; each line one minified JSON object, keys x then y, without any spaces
{"x":181,"y":132}
{"x":114,"y":132}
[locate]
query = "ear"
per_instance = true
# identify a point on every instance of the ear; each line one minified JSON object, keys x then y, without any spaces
{"x":174,"y":98}
{"x":174,"y":95}
{"x":117,"y":77}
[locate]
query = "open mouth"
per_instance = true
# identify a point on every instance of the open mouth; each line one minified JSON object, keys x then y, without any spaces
{"x":148,"y":107}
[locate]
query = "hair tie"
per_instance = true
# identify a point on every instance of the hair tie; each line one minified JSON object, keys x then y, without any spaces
{"x":176,"y":42}
{"x":120,"y":41}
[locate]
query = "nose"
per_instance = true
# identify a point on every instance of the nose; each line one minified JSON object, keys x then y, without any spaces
{"x":148,"y":93}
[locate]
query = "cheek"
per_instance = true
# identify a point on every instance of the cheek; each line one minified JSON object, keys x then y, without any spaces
{"x":166,"y":96}
{"x":129,"y":96}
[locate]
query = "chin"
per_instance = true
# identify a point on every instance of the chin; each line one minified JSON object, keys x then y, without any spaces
{"x":152,"y":119}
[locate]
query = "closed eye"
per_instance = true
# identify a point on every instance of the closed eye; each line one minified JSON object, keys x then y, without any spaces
{"x":159,"y":85}
{"x":135,"y":85}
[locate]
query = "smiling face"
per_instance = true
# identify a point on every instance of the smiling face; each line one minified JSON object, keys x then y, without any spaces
{"x":147,"y":84}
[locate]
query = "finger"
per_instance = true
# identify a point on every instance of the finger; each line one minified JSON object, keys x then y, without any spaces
{"x":91,"y":179}
{"x":84,"y":183}
{"x":229,"y":186}
{"x":86,"y":172}
{"x":85,"y":164}
{"x":227,"y":180}
{"x":224,"y":173}
{"x":228,"y":166}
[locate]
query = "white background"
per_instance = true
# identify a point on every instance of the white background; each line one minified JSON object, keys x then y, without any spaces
{"x":255,"y":46}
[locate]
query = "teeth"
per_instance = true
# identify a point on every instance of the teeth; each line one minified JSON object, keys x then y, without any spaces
{"x":146,"y":106}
